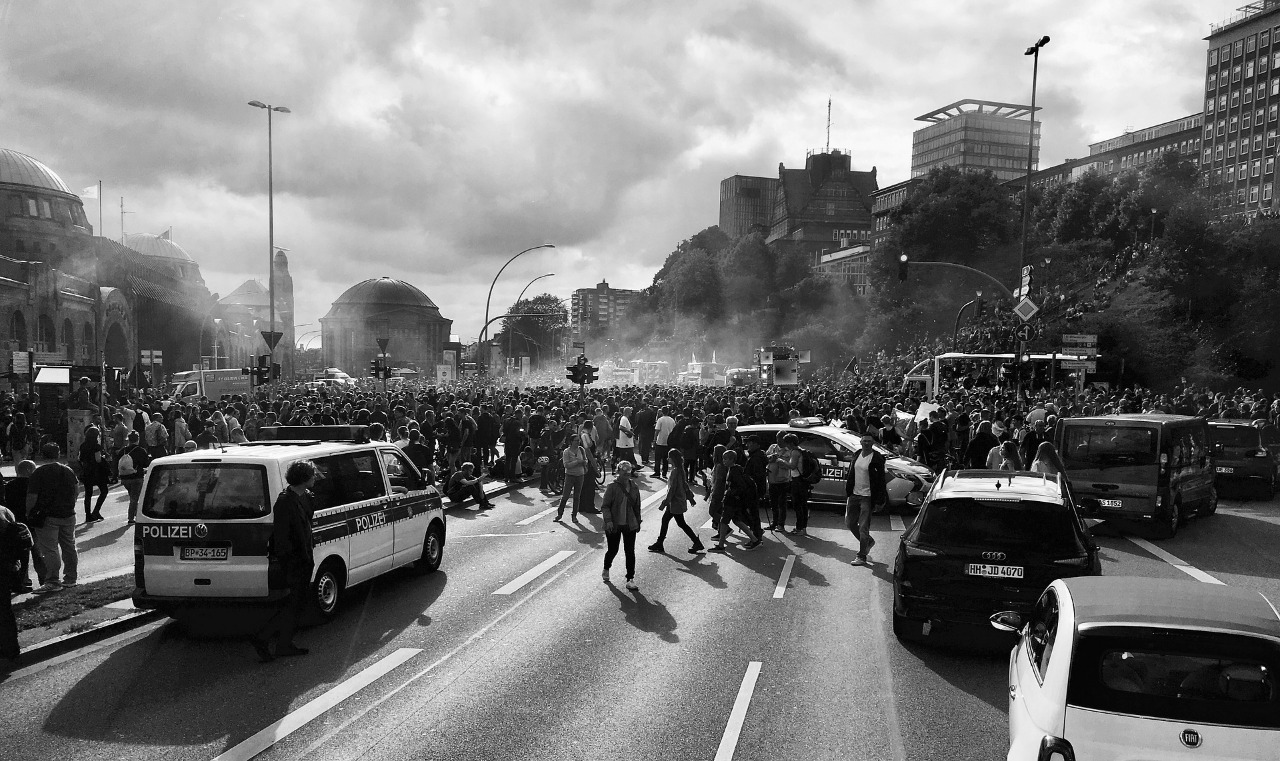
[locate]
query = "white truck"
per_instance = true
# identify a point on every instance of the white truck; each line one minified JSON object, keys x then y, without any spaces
{"x":212,"y":384}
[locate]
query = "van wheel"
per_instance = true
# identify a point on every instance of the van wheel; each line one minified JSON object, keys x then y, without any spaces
{"x":327,"y":591}
{"x":899,"y":626}
{"x":432,"y":551}
{"x":1169,"y":529}
{"x":1211,"y":504}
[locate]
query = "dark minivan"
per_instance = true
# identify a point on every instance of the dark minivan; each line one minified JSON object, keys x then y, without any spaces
{"x":986,"y":541}
{"x":1245,"y":455}
{"x":1152,"y":468}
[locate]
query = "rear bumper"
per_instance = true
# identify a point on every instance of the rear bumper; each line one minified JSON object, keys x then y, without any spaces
{"x":943,"y":610}
{"x":165,"y":602}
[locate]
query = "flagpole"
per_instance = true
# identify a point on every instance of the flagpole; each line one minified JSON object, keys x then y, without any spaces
{"x":100,"y":230}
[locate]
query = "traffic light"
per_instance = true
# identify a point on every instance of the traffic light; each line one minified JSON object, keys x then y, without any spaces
{"x":375,"y":368}
{"x":275,"y":371}
{"x":903,"y":260}
{"x":979,"y":307}
{"x":589,"y":374}
{"x":262,"y":373}
{"x":575,"y":373}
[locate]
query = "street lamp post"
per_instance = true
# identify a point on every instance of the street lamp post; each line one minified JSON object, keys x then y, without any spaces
{"x":484,"y":332}
{"x":1034,"y":51}
{"x":517,"y":305}
{"x":271,"y":227}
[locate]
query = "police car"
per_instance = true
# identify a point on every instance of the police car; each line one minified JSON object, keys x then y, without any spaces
{"x":906,"y":479}
{"x":1127,"y":668}
{"x":204,"y":525}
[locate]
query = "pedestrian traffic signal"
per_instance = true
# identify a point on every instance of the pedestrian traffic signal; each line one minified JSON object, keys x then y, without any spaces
{"x":375,"y":368}
{"x":903,"y":260}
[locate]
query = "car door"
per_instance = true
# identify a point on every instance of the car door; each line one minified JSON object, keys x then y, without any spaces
{"x":357,"y":483}
{"x":1033,"y":712}
{"x":407,"y":507}
{"x":834,"y":459}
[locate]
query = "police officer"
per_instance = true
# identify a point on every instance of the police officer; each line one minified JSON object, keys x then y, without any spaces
{"x":291,"y":548}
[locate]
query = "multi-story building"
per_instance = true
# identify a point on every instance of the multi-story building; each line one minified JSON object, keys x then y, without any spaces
{"x":1132,"y":150}
{"x":976,"y":135}
{"x":823,"y":207}
{"x":746,"y":204}
{"x":848,"y":264}
{"x":1241,"y":109}
{"x":597,"y":311}
{"x":883,"y":204}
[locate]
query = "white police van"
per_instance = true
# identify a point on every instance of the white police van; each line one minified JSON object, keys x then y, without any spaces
{"x":204,"y":525}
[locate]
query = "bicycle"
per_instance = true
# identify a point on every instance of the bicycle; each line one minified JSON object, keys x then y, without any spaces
{"x":555,"y":473}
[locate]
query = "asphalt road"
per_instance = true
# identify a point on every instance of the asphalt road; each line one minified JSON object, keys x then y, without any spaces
{"x":710,"y":659}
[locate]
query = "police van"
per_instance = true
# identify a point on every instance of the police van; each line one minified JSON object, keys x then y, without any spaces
{"x":204,"y":524}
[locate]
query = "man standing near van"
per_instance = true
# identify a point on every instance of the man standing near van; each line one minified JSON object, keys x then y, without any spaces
{"x":292,"y":550}
{"x":51,"y":507}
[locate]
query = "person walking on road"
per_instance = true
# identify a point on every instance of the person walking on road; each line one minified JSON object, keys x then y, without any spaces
{"x":779,"y":477}
{"x":621,"y":512}
{"x":662,"y":441}
{"x":864,"y":489}
{"x":94,"y":472}
{"x":51,"y":507}
{"x":132,"y":466}
{"x":291,"y":549}
{"x":574,"y":456}
{"x":675,"y":504}
{"x":15,"y":545}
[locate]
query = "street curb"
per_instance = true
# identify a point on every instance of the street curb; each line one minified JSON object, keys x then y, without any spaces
{"x":70,"y":642}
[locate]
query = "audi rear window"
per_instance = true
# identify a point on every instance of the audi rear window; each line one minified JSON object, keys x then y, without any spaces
{"x":1235,"y":436}
{"x":1013,"y":523}
{"x":207,"y":491}
{"x":1178,"y":675}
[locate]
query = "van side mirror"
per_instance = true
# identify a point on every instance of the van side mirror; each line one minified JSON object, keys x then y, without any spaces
{"x":1007,"y":621}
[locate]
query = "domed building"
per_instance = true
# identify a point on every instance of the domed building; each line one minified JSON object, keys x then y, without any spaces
{"x":384,"y":308}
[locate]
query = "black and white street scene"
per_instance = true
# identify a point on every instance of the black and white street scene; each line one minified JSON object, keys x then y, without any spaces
{"x":431,"y":380}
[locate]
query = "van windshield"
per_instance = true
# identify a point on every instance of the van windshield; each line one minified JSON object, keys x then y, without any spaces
{"x":1017,"y":524}
{"x":1098,"y":447}
{"x":207,"y":491}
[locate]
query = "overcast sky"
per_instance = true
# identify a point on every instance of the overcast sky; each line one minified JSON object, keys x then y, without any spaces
{"x":432,"y":140}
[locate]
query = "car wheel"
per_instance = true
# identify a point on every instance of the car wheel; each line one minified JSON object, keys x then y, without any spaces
{"x":1211,"y":504}
{"x":1169,"y":529}
{"x":327,"y":591}
{"x":432,"y":551}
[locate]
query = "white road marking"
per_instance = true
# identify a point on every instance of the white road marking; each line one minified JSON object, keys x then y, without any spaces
{"x":535,"y":518}
{"x":299,"y":718}
{"x":476,"y":536}
{"x":710,"y":522}
{"x":125,"y":604}
{"x":896,"y":523}
{"x":535,"y":572}
{"x":729,"y":742}
{"x":1174,"y":561}
{"x":781,"y":586}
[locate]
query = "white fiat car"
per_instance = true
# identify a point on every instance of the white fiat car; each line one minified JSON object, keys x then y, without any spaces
{"x":1132,"y":668}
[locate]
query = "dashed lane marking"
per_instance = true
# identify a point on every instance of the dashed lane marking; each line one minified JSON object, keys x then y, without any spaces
{"x":896,"y":523}
{"x":535,"y":572}
{"x":729,"y":742}
{"x":538,"y":516}
{"x":1175,"y":561}
{"x":781,"y":587}
{"x":299,"y":718}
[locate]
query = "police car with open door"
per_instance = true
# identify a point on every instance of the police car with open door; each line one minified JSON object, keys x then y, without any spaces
{"x":203,"y":534}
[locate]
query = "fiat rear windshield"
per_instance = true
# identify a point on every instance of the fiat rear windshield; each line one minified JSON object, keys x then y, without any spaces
{"x":1178,"y":675}
{"x":207,"y":491}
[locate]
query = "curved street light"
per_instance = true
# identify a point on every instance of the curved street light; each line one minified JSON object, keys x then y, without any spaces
{"x":484,"y":332}
{"x":517,"y":304}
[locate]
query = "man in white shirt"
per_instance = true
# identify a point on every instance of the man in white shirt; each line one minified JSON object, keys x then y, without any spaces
{"x":661,"y":441}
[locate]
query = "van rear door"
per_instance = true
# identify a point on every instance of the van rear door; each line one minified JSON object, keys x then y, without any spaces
{"x":204,"y":530}
{"x":1114,"y":464}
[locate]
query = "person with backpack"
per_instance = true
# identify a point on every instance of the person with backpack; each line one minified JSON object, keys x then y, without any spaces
{"x":739,"y":497}
{"x":806,"y":472}
{"x":15,"y":546}
{"x":131,"y":466}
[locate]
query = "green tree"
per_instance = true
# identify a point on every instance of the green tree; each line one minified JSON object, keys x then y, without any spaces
{"x":534,"y":337}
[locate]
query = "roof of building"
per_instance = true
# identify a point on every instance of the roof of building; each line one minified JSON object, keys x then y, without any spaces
{"x":251,"y":293}
{"x":1171,"y":603}
{"x":384,"y":291}
{"x":981,"y":107}
{"x":798,"y":189}
{"x":159,"y":246}
{"x":20,"y":169}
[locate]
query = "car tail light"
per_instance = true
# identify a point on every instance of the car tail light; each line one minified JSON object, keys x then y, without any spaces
{"x":1261,"y":453}
{"x":916,"y":551}
{"x":1055,"y":749}
{"x":1080,"y":562}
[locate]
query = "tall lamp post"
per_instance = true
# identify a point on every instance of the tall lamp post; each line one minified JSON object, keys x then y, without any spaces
{"x":1034,"y":51}
{"x":484,"y":332}
{"x":271,"y":227}
{"x":517,"y":304}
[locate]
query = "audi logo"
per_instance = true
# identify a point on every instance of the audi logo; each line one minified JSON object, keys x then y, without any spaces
{"x":1191,"y":738}
{"x":994,"y":556}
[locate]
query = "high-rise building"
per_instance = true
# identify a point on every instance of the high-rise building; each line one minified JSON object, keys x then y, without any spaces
{"x":746,"y":204}
{"x":1242,"y":101}
{"x":883,"y":204}
{"x":597,"y":311}
{"x":976,"y":135}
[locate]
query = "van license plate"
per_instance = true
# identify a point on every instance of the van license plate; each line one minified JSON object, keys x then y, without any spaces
{"x":1226,"y":470}
{"x":994,"y":571}
{"x":205,"y":553}
{"x":1110,"y":503}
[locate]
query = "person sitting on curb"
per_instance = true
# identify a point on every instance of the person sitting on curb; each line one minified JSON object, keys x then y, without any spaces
{"x":462,"y":485}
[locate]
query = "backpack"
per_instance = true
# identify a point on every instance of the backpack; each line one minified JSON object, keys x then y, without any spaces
{"x":810,"y":469}
{"x":689,"y":438}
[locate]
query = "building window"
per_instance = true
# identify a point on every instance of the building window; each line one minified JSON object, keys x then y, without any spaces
{"x":1217,"y":154}
{"x":1251,"y":43}
{"x":1242,"y":171}
{"x":1275,"y":85}
{"x":1271,"y":138}
{"x":1253,"y":194}
{"x":1264,"y":39}
{"x":1257,"y":142}
{"x":1213,"y":58}
{"x":1235,"y":73}
{"x":45,"y":210}
{"x":1244,"y":146}
{"x":1248,"y":94}
{"x":1222,"y":127}
{"x":1240,"y":195}
{"x":31,"y":208}
{"x":1235,"y":98}
{"x":1246,"y":121}
{"x":1239,"y":49}
{"x":1266,"y":191}
{"x":19,"y":246}
{"x":1208,"y":155}
{"x":1248,"y":69}
{"x":1208,"y":106}
{"x":1235,"y":124}
{"x":1231,"y":173}
{"x":1270,"y":165}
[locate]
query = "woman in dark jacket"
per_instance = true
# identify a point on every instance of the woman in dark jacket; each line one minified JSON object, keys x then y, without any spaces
{"x":975,"y":456}
{"x":674,"y":504}
{"x":94,"y":471}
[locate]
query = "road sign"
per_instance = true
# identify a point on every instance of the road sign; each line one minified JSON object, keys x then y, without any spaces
{"x":1026,"y":309}
{"x":1079,"y":351}
{"x":382,"y":344}
{"x":1023,"y":333}
{"x":579,"y":345}
{"x":21,"y":362}
{"x":272,"y":338}
{"x":1080,"y":338}
{"x":1088,"y":366}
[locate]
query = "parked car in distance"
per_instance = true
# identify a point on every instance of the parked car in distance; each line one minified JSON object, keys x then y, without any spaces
{"x":1245,"y":455}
